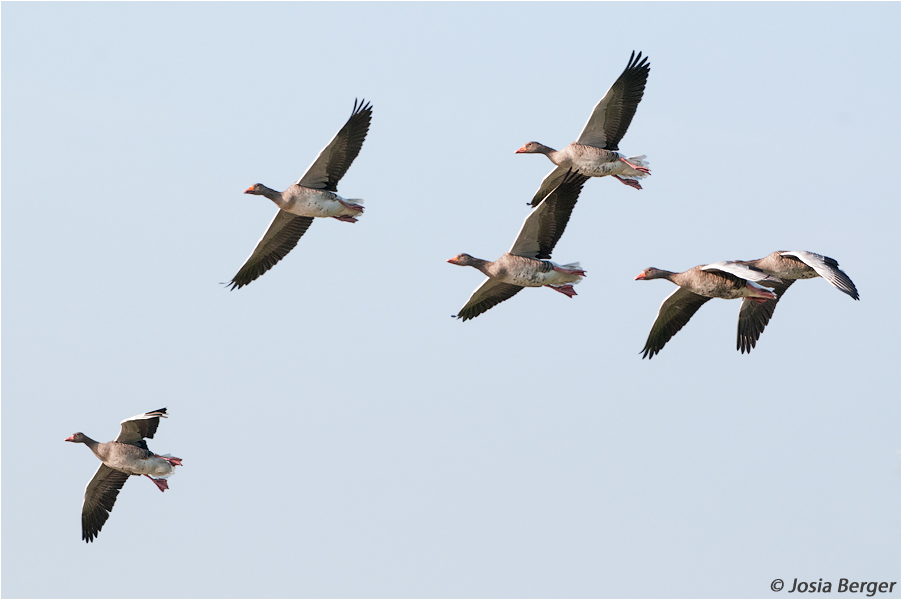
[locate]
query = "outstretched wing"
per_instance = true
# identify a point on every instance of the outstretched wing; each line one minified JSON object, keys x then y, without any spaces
{"x":612,"y":115}
{"x":134,"y":429}
{"x":283,"y":235}
{"x":746,"y":272}
{"x":754,"y":317}
{"x":827,"y":268}
{"x":675,"y":311}
{"x":100,"y":496}
{"x":551,"y":181}
{"x":545,"y":225}
{"x":490,"y":293}
{"x":335,"y":159}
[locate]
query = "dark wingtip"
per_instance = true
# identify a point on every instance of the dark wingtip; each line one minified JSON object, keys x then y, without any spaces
{"x":745,"y":344}
{"x":637,"y":62}
{"x":362,"y":106}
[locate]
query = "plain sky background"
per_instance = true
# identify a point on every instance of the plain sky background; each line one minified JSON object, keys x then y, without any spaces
{"x":341,"y":435}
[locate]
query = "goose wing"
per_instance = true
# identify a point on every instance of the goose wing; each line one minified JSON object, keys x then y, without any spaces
{"x":545,"y":225}
{"x":100,"y":495}
{"x":744,"y":271}
{"x":827,"y":268}
{"x":134,"y":429}
{"x":612,"y":115}
{"x":551,"y":181}
{"x":675,"y":311}
{"x":490,"y":293}
{"x":281,"y":236}
{"x":335,"y":159}
{"x":754,"y":317}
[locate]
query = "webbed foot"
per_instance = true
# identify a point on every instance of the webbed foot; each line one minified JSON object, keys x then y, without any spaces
{"x":566,"y":290}
{"x":630,"y":182}
{"x":645,"y":170}
{"x":351,"y":206}
{"x":160,"y":483}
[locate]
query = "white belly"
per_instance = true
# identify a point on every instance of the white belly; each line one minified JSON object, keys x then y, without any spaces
{"x":154,"y":466}
{"x":599,"y":167}
{"x":536,"y":278}
{"x":596,"y":162}
{"x":595,"y":169}
{"x":318,"y":203}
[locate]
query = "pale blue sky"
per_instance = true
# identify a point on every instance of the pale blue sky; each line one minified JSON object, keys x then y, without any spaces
{"x":341,"y":435}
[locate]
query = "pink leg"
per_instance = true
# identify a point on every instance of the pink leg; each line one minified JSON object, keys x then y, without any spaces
{"x":161,"y":483}
{"x":566,"y":290}
{"x":579,"y":272}
{"x":346,"y":218}
{"x":175,"y":462}
{"x":351,"y":206}
{"x":630,"y":182}
{"x":637,"y":167}
{"x":761,"y":295}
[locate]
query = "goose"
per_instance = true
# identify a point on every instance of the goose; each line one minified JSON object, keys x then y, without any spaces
{"x":594,"y":153}
{"x":727,"y":279}
{"x":125,"y":456}
{"x":522,"y":266}
{"x":788,"y":266}
{"x":313,"y":195}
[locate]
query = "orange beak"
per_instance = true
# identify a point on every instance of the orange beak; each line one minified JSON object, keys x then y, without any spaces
{"x":69,"y":439}
{"x":521,"y":150}
{"x":249,"y":190}
{"x":453,"y":261}
{"x":640,"y":276}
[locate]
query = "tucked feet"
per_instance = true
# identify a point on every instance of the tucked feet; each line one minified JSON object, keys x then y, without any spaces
{"x":630,"y":182}
{"x":346,"y":218}
{"x":351,"y":205}
{"x":579,"y":272}
{"x":160,"y":483}
{"x":172,"y":460}
{"x":637,"y":167}
{"x":566,"y":290}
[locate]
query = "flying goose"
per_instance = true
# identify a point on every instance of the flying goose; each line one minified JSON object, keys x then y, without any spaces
{"x":595,"y":152}
{"x":788,"y":266}
{"x":125,"y":456}
{"x":313,"y":195}
{"x":699,"y":284}
{"x":523,"y":266}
